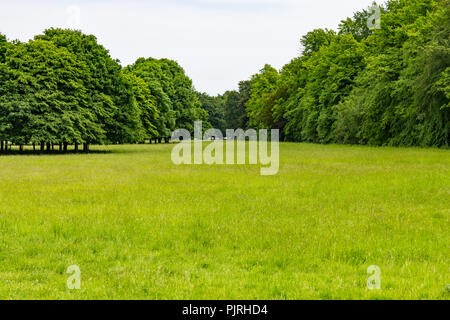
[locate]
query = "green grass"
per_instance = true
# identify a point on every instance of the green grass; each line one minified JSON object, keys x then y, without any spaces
{"x":140,"y":227}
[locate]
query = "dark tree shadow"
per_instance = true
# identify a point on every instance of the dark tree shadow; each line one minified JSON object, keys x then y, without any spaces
{"x":50,"y":153}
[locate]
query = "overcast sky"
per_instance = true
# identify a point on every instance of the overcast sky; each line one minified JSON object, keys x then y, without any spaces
{"x":218,"y":42}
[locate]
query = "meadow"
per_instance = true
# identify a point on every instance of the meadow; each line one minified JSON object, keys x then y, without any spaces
{"x":140,"y":227}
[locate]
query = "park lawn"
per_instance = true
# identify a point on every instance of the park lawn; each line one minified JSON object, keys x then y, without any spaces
{"x":140,"y":227}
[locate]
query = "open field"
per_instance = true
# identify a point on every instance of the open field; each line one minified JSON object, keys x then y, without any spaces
{"x":140,"y":227}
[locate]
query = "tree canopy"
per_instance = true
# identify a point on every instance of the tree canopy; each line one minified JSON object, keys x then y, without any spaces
{"x":387,"y":86}
{"x":110,"y":95}
{"x":64,"y":88}
{"x":361,"y":85}
{"x":43,"y":97}
{"x":179,"y":104}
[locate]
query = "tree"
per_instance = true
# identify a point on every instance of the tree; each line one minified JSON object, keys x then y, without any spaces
{"x":241,"y":111}
{"x":43,"y":97}
{"x":386,"y":86}
{"x":146,"y":102}
{"x":3,"y":47}
{"x":259,"y":106}
{"x":397,"y":100}
{"x":316,"y":39}
{"x":357,"y":25}
{"x":110,"y":96}
{"x":232,"y":112}
{"x":215,"y":108}
{"x":174,"y":93}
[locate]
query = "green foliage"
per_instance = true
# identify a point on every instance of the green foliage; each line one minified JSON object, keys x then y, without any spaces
{"x":215,"y":108}
{"x":357,"y":26}
{"x":232,"y":99}
{"x":3,"y":47}
{"x":235,"y":102}
{"x":64,"y":87}
{"x":174,"y":93}
{"x":398,"y":92}
{"x":386,"y":86}
{"x":325,"y":78}
{"x":259,"y":106}
{"x":43,"y":96}
{"x":110,"y":95}
{"x":314,"y":40}
{"x":146,"y":102}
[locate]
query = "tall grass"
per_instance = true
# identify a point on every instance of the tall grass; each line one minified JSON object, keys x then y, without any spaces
{"x":140,"y":227}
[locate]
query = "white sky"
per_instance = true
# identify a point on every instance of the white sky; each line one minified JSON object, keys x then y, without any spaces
{"x":217,"y":42}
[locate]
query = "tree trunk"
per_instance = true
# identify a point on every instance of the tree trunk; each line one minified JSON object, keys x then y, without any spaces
{"x":86,"y":147}
{"x":76,"y":146}
{"x":21,"y":148}
{"x":42,"y":146}
{"x":34,"y":146}
{"x":2,"y":144}
{"x":65,"y":146}
{"x":48,"y":146}
{"x":60,"y":147}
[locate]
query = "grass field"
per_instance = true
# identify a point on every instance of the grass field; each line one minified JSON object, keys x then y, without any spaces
{"x":140,"y":227}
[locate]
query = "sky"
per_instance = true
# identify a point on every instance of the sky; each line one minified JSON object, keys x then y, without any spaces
{"x":217,"y":42}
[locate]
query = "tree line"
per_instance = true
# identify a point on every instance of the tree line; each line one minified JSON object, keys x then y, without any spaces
{"x":386,"y":86}
{"x":355,"y":85}
{"x":63,"y":88}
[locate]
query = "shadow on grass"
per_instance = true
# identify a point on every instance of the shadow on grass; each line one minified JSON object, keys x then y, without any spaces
{"x":50,"y":153}
{"x":105,"y":150}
